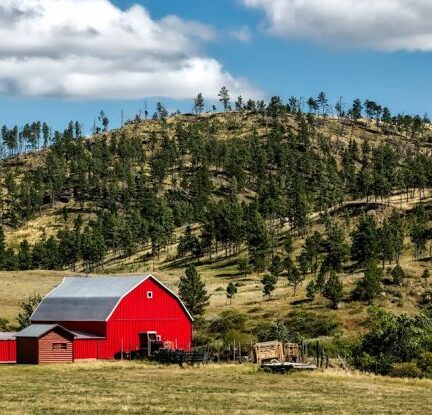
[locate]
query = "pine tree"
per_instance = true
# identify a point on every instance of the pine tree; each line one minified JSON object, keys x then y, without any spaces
{"x":333,"y":290}
{"x":199,"y":104}
{"x":224,"y":97}
{"x":365,"y":241}
{"x":192,"y":292}
{"x":269,"y":285}
{"x":231,"y":291}
{"x":369,"y":286}
{"x":295,"y":278}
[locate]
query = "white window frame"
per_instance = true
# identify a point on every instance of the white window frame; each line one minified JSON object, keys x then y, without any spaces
{"x":149,"y":295}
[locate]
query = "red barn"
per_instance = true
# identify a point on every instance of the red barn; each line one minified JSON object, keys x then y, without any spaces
{"x":104,"y":316}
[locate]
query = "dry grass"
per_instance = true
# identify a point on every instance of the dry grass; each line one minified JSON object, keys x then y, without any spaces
{"x":17,"y":285}
{"x":136,"y":388}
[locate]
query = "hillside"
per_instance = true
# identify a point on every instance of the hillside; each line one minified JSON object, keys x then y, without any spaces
{"x":236,"y":194}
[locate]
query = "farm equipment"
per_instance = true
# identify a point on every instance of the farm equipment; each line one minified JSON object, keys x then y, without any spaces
{"x":279,"y":357}
{"x":180,"y":357}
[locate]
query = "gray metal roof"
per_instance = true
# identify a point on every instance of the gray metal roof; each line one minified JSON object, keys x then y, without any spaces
{"x":90,"y":298}
{"x":81,"y":335}
{"x":7,"y":335}
{"x":85,"y":298}
{"x":38,"y":330}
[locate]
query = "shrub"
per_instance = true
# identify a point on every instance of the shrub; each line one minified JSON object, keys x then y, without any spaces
{"x":405,"y":370}
{"x":227,"y":320}
{"x":398,"y":275}
{"x":424,"y":362}
{"x":370,"y":285}
{"x":310,"y":325}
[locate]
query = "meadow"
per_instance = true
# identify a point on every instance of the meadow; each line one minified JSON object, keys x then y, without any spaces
{"x":136,"y":388}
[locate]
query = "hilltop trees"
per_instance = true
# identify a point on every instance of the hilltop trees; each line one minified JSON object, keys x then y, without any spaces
{"x":199,"y":104}
{"x":224,"y":98}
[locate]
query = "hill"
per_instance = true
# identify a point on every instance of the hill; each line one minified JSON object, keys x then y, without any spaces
{"x":261,"y":190}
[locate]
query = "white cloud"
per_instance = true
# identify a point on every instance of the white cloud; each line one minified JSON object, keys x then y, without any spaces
{"x":375,"y":24}
{"x":242,"y":34}
{"x":92,"y":49}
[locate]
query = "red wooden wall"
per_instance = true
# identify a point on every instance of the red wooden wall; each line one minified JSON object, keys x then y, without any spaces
{"x":47,"y":354}
{"x":137,"y":313}
{"x":7,"y":351}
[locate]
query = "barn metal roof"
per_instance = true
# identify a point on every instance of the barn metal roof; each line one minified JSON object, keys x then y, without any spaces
{"x":89,"y":298}
{"x":7,"y":335}
{"x":38,"y":330}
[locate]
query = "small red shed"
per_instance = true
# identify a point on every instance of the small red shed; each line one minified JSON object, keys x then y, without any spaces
{"x":107,"y":315}
{"x":45,"y":343}
{"x":7,"y":347}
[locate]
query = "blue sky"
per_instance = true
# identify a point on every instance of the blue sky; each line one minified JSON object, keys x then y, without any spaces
{"x":284,"y":49}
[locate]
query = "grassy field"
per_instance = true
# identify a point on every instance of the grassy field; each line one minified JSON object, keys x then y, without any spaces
{"x":116,"y":387}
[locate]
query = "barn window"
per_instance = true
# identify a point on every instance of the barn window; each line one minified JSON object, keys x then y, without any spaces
{"x":149,"y":294}
{"x":59,"y":346}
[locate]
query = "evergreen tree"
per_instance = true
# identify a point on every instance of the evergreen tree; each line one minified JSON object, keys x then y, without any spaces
{"x":199,"y":104}
{"x":192,"y":292}
{"x":295,"y":278}
{"x":269,"y":285}
{"x":369,"y":286}
{"x":231,"y":291}
{"x":311,"y":290}
{"x":224,"y":97}
{"x":333,"y":290}
{"x":365,"y":241}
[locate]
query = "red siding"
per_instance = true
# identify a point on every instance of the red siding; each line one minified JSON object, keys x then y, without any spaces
{"x":137,"y":313}
{"x":27,"y":350}
{"x":86,"y":349}
{"x":7,"y":351}
{"x":47,"y":354}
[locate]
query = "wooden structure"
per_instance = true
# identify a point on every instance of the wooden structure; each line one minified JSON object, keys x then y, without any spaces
{"x":291,"y":352}
{"x":45,"y":343}
{"x":267,"y":351}
{"x":275,"y":351}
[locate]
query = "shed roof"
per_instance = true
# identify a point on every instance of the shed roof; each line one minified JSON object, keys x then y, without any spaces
{"x":38,"y":330}
{"x":89,"y":298}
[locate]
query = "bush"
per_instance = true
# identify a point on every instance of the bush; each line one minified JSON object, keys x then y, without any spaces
{"x":405,"y":370}
{"x":298,"y":326}
{"x":398,"y":275}
{"x":227,"y":320}
{"x":276,"y":330}
{"x":310,"y":325}
{"x":424,"y":362}
{"x":340,"y":346}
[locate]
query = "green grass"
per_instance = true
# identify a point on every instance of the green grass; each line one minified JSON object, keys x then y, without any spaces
{"x":115,"y":387}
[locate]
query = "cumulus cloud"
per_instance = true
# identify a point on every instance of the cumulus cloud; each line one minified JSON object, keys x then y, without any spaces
{"x":375,"y":24}
{"x":92,"y":49}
